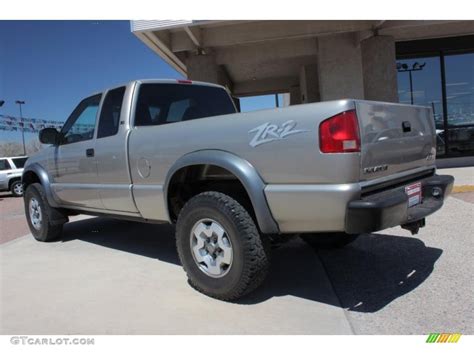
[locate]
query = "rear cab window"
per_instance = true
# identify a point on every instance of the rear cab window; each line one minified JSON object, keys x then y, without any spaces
{"x":168,"y":103}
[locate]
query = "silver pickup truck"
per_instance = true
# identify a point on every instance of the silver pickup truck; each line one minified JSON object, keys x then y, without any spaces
{"x":176,"y":151}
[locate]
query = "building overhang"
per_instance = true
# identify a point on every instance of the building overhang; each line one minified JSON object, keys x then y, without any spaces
{"x":262,"y":56}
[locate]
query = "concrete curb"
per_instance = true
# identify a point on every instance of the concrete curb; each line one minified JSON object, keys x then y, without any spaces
{"x":463,"y":178}
{"x":463,"y":188}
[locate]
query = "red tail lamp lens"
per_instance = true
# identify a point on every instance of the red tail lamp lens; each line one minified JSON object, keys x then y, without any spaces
{"x":340,"y":133}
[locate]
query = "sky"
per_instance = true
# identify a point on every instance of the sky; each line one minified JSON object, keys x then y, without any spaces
{"x":52,"y":65}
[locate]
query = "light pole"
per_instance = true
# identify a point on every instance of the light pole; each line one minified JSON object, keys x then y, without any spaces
{"x":401,"y":68}
{"x":20,"y":102}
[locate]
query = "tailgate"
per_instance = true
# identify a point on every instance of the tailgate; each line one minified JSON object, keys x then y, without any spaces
{"x":394,"y":138}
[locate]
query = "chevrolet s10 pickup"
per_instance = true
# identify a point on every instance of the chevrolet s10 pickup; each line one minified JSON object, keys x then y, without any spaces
{"x":176,"y":151}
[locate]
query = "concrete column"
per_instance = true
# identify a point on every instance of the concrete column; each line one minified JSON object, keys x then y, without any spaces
{"x":205,"y":68}
{"x":309,"y":84}
{"x":340,"y":67}
{"x":379,"y":68}
{"x":295,"y":95}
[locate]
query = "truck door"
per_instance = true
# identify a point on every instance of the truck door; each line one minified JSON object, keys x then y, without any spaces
{"x":115,"y":187}
{"x":74,"y":167}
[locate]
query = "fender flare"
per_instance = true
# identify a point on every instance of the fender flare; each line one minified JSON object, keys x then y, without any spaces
{"x":43,"y":176}
{"x":242,"y":169}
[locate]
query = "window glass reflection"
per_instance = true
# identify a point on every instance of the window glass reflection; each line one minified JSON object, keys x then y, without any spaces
{"x":419,"y":83}
{"x":460,"y":103}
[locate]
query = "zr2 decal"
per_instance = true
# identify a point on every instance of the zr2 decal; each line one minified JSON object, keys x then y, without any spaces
{"x":269,"y":132}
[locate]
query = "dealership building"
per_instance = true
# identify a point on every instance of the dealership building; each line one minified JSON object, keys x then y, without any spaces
{"x":428,"y":63}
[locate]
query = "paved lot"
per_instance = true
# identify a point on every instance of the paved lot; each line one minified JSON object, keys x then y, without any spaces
{"x":462,"y":176}
{"x":115,"y":277}
{"x":12,"y":217}
{"x":392,"y":283}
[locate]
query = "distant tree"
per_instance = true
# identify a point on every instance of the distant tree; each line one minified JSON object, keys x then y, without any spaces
{"x":33,"y":146}
{"x":10,"y":149}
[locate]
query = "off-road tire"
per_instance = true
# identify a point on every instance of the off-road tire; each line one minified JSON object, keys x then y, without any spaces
{"x":52,"y":220}
{"x":329,"y":240}
{"x":251,"y":252}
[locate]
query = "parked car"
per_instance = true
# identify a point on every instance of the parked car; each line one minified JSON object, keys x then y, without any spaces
{"x":166,"y":151}
{"x":10,"y":174}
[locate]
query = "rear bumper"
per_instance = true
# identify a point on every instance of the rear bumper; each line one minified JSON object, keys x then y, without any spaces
{"x":390,"y":208}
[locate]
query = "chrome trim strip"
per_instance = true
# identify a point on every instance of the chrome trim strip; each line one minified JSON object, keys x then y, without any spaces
{"x":98,"y":210}
{"x":77,"y":186}
{"x":396,"y":176}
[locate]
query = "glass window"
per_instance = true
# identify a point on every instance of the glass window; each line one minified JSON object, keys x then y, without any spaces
{"x":4,"y":164}
{"x":80,"y":125}
{"x":460,"y":102}
{"x":177,"y":110}
{"x":419,"y":83}
{"x":109,"y":120}
{"x":425,"y":89}
{"x":19,"y":162}
{"x":154,"y":112}
{"x":167,"y":103}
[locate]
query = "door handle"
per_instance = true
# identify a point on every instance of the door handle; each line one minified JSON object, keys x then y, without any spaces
{"x":406,"y":126}
{"x":90,"y":152}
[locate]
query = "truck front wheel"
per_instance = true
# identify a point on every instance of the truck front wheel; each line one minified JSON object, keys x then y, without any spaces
{"x":45,"y":222}
{"x":220,"y":247}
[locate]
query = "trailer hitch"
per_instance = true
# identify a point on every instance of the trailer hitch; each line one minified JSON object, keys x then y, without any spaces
{"x":415,"y":226}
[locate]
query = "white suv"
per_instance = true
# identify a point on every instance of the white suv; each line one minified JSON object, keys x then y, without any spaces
{"x":10,"y":174}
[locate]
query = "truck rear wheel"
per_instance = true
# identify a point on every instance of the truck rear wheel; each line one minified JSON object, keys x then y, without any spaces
{"x":220,"y":247}
{"x":329,"y":240}
{"x":46,"y":223}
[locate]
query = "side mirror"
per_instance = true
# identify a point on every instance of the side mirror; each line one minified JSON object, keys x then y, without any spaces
{"x":49,"y":136}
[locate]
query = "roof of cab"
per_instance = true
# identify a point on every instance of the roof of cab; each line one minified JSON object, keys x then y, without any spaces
{"x":160,"y":81}
{"x":176,"y":81}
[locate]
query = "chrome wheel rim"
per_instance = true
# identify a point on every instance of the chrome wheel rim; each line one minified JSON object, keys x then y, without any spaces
{"x":211,"y":248}
{"x":18,"y":188}
{"x":36,"y":216}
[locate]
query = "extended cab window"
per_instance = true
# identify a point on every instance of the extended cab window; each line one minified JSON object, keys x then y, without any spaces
{"x":80,"y":126}
{"x":4,"y":164}
{"x":19,"y":162}
{"x":166,"y":103}
{"x":109,"y":120}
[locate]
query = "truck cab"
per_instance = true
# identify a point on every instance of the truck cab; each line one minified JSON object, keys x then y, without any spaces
{"x":89,"y":164}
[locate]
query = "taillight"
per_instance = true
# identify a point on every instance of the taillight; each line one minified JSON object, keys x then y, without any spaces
{"x":340,"y":133}
{"x":183,"y":81}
